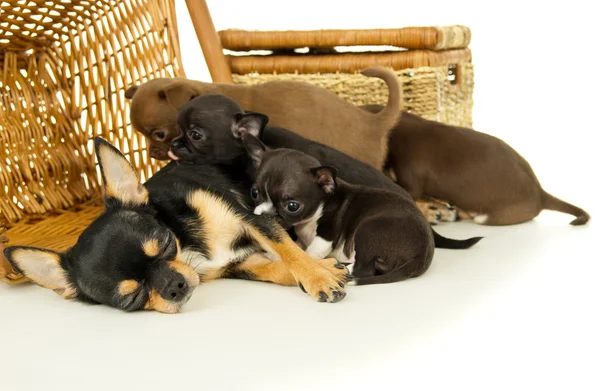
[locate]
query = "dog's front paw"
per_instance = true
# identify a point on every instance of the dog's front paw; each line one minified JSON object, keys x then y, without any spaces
{"x":436,"y":211}
{"x":326,"y":281}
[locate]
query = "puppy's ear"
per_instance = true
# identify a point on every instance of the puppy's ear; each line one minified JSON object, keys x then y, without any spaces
{"x":252,"y":123}
{"x":255,"y":148}
{"x":44,"y":267}
{"x":326,"y":178}
{"x":121,"y":182}
{"x":178,"y":94}
{"x":130,"y":92}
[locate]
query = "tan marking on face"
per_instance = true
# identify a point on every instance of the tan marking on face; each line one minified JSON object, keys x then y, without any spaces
{"x":127,"y":287}
{"x":151,"y":248}
{"x":188,"y":272}
{"x":221,"y":225}
{"x":157,"y":303}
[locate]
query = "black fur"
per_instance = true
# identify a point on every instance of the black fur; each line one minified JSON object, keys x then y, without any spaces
{"x":221,"y":122}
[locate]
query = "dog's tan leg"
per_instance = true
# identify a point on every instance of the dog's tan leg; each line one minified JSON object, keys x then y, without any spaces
{"x":258,"y":267}
{"x":324,"y":281}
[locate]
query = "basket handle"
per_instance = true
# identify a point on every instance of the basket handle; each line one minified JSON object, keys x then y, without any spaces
{"x":209,"y":41}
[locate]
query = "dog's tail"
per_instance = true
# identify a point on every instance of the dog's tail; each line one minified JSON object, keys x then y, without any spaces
{"x":454,"y":244}
{"x":552,"y":203}
{"x":391,"y":112}
{"x":399,"y":273}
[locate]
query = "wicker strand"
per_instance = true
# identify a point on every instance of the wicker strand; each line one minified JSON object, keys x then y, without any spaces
{"x":64,"y":67}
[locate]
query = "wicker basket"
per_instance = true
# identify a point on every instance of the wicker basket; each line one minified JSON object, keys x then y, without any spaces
{"x":434,"y":65}
{"x":64,"y":67}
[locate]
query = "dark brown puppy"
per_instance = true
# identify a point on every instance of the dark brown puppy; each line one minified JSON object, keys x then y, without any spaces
{"x":479,"y":173}
{"x":303,"y":108}
{"x":379,"y":233}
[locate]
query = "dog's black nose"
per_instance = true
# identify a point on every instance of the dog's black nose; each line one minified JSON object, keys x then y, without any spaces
{"x":177,"y":289}
{"x":177,"y":143}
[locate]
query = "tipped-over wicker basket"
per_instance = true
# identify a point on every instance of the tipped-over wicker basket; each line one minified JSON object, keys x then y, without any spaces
{"x":433,"y":63}
{"x":64,"y":67}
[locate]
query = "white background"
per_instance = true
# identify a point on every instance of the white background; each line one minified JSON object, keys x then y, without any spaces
{"x":519,"y":311}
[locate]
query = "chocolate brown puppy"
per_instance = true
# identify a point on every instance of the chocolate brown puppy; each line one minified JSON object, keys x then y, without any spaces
{"x":479,"y":173}
{"x":303,"y":108}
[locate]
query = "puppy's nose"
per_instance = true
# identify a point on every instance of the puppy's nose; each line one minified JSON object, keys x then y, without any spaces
{"x":155,"y":153}
{"x":177,"y":143}
{"x":176,"y":290}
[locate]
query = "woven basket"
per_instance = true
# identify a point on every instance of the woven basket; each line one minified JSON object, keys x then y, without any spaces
{"x":64,"y":68}
{"x":434,"y":65}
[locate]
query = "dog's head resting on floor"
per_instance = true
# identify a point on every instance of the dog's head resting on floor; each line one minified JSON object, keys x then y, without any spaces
{"x":124,"y":259}
{"x":211,"y":130}
{"x":289,"y":183}
{"x":154,"y":107}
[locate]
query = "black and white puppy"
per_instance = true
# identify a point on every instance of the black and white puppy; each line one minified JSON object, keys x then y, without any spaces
{"x":377,"y":232}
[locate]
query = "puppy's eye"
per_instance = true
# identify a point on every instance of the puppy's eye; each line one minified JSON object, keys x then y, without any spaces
{"x":159,"y":135}
{"x":195,"y":135}
{"x":292,"y":207}
{"x":254,"y":193}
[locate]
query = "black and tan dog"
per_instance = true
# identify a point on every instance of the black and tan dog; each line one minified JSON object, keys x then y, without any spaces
{"x":156,"y":242}
{"x":378,"y":232}
{"x":212,"y":126}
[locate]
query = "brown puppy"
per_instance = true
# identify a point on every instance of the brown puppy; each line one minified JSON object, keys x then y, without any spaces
{"x":303,"y":108}
{"x":478,"y":173}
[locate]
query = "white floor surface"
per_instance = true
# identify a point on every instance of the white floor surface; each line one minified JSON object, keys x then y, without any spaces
{"x":519,"y":311}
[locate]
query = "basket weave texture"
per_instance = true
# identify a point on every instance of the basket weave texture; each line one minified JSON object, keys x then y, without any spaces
{"x":64,"y":68}
{"x":436,"y":72}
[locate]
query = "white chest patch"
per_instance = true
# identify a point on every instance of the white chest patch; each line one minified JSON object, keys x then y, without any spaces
{"x":307,"y":230}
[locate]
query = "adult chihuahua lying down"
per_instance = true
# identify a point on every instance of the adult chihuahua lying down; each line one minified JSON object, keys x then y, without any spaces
{"x":156,"y":242}
{"x":479,"y":173}
{"x":303,"y":108}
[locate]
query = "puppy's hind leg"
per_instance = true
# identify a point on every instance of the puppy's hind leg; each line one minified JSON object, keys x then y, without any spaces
{"x":391,"y":249}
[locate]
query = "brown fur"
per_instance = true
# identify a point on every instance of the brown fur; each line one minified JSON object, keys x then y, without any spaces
{"x":479,"y":173}
{"x":303,"y":108}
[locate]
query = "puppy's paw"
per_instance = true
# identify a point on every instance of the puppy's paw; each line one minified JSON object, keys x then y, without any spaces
{"x":338,"y":269}
{"x":436,"y":211}
{"x":326,"y":281}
